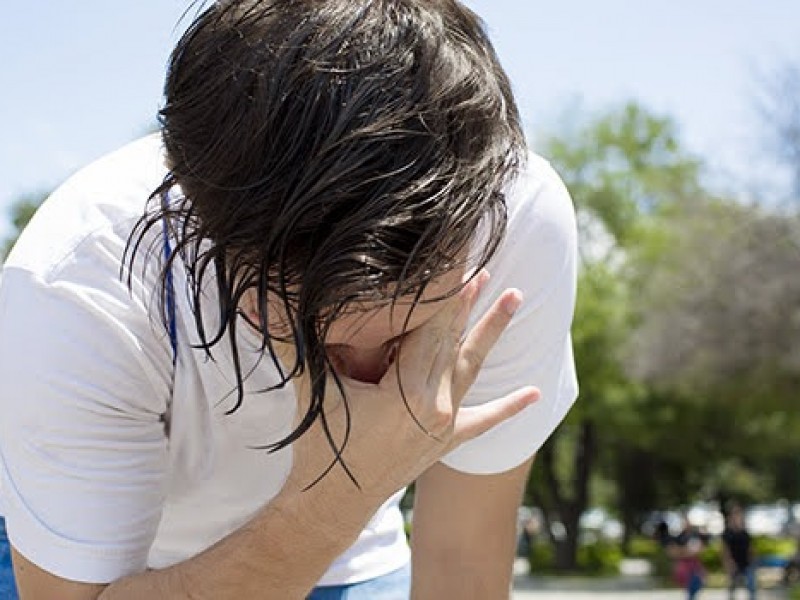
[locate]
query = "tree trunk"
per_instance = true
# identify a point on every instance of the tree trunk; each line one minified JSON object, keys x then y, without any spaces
{"x":636,"y":486}
{"x":569,"y":508}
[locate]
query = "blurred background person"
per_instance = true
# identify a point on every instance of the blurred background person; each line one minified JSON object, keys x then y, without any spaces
{"x":685,"y":550}
{"x":737,"y":554}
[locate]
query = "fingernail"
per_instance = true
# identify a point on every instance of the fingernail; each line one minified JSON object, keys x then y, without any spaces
{"x":512,"y":302}
{"x":532,"y":394}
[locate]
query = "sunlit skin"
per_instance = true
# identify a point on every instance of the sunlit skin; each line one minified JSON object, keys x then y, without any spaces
{"x":363,"y":343}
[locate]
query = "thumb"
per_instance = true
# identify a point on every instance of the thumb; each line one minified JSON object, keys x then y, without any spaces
{"x":473,"y":421}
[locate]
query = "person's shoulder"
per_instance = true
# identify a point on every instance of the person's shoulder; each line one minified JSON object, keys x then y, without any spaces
{"x":541,"y":224}
{"x":540,"y":210}
{"x":97,"y":206}
{"x":537,"y":188}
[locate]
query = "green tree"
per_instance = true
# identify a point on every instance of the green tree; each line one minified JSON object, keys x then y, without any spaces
{"x":561,"y":477}
{"x":623,"y":168}
{"x":720,"y":324}
{"x":21,"y":211}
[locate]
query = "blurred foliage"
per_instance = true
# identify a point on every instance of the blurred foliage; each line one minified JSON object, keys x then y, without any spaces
{"x":624,"y":168}
{"x":686,"y":335}
{"x":711,"y":555}
{"x":767,"y":546}
{"x":597,"y":558}
{"x":22,"y":211}
{"x":643,"y":547}
{"x":542,"y":559}
{"x":662,"y":569}
{"x":603,"y":557}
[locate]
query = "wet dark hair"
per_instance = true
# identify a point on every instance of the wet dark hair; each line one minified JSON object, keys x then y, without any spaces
{"x":329,"y":153}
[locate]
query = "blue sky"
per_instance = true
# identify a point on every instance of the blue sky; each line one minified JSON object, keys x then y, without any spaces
{"x":83,"y":77}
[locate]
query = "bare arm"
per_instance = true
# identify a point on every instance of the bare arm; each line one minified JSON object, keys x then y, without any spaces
{"x":284,"y":550}
{"x":281,"y":553}
{"x":464,"y":533}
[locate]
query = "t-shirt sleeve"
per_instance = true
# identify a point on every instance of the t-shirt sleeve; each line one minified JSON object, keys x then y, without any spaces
{"x":539,"y":257}
{"x":84,"y":381}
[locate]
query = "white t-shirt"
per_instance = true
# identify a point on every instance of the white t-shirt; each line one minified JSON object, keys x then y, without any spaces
{"x":94,"y":486}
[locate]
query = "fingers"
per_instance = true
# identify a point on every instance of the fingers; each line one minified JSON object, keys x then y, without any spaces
{"x":481,"y":339}
{"x":427,"y":352}
{"x":452,"y":326}
{"x":473,"y":421}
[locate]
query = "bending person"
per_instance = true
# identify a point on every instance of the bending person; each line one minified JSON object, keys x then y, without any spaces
{"x":226,"y":349}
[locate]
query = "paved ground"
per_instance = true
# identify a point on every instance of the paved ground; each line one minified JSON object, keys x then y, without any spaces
{"x":631,"y":595}
{"x":634,"y":585}
{"x":527,"y":589}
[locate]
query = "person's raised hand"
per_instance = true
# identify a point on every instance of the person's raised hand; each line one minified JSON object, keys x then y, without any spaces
{"x":413,"y":416}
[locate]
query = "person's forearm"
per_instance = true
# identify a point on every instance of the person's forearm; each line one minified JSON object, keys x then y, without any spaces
{"x":466,"y":580}
{"x":474,"y":573}
{"x":281,"y":553}
{"x":464,"y":536}
{"x":476,"y":569}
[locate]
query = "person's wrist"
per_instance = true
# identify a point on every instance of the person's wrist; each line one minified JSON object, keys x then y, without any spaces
{"x":334,"y":507}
